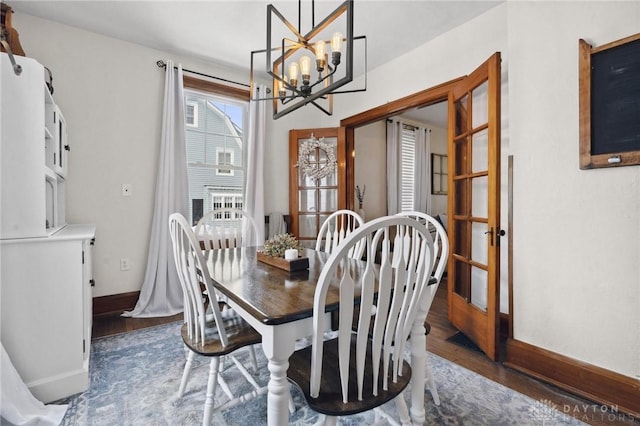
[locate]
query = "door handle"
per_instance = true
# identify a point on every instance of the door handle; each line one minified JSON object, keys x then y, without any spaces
{"x":501,"y":233}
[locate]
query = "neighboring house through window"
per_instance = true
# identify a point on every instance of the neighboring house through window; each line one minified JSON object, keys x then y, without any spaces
{"x":215,"y":148}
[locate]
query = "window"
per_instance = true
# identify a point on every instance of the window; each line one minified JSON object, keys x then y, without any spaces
{"x":407,"y":168}
{"x":222,"y":198}
{"x":191,"y":114}
{"x":215,"y":149}
{"x":439,"y":174}
{"x":224,"y":158}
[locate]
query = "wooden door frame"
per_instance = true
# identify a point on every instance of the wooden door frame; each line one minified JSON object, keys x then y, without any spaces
{"x":320,"y":132}
{"x":480,"y":324}
{"x":433,"y":95}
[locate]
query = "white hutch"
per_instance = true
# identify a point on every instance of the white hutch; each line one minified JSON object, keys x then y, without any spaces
{"x":45,"y":280}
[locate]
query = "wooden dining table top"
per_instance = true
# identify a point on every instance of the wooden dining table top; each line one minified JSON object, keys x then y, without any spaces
{"x":270,"y":294}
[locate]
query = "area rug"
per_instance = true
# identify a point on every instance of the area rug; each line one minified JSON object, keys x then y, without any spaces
{"x":134,"y":380}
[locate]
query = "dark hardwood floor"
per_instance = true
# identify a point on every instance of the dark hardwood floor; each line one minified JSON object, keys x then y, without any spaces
{"x":445,"y":341}
{"x":110,"y":324}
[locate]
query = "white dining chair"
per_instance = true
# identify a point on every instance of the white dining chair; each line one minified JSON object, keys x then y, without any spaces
{"x":226,"y":228}
{"x":212,"y":335}
{"x":362,"y":369}
{"x":338,"y":226}
{"x":441,"y":249}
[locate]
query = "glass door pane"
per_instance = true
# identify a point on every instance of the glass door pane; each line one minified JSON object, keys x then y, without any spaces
{"x":315,"y":157}
{"x":471,"y":197}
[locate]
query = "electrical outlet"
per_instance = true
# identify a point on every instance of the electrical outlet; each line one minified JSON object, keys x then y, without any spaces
{"x":126,"y":189}
{"x":124,"y":264}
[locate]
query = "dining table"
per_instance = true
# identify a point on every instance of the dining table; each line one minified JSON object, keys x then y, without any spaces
{"x":279,"y":305}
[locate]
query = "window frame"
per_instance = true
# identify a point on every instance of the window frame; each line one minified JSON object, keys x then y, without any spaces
{"x":233,"y":95}
{"x":195,"y":114}
{"x":442,"y":172}
{"x":225,"y":171}
{"x":229,"y":199}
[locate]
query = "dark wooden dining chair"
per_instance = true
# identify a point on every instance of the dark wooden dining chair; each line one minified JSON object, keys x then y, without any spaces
{"x":441,"y":250}
{"x":363,"y":369}
{"x":208,"y":331}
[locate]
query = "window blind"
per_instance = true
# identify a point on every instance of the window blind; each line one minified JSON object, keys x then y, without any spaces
{"x":407,"y":168}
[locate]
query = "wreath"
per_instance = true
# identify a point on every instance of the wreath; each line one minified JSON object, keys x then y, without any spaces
{"x":316,"y":169}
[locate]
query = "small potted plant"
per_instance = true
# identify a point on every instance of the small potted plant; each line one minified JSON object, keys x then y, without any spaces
{"x":280,"y":243}
{"x":284,"y":251}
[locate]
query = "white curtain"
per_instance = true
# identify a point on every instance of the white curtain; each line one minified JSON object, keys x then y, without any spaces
{"x":18,"y":406}
{"x":276,"y":224}
{"x":394,"y":137}
{"x":161,"y":294}
{"x":421,"y":169}
{"x":254,"y":185}
{"x":422,"y":189}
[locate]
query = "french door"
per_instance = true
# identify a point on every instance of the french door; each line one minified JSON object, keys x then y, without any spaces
{"x":474,"y":206}
{"x":317,"y":179}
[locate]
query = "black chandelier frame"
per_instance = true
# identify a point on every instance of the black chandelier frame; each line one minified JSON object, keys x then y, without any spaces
{"x":276,"y":60}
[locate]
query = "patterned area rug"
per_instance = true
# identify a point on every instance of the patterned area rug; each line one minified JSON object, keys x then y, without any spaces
{"x":134,"y":380}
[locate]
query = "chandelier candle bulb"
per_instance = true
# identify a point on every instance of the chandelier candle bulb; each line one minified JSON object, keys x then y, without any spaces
{"x":320,"y":48}
{"x":336,"y":42}
{"x":282,"y":90}
{"x":336,"y":47}
{"x":305,"y":69}
{"x":293,"y":74}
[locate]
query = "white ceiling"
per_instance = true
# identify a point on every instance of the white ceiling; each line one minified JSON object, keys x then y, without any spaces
{"x":226,"y":31}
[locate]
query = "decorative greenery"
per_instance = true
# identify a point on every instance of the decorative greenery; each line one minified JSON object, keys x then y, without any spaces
{"x":312,"y":167}
{"x":279,"y":243}
{"x":360,"y":194}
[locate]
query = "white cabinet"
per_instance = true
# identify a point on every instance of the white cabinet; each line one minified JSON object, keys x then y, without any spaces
{"x":46,"y":310}
{"x":34,"y":149}
{"x":21,"y":151}
{"x":56,"y":147}
{"x":45,"y":279}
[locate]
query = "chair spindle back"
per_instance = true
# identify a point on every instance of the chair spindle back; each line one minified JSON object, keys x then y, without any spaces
{"x":405,"y":249}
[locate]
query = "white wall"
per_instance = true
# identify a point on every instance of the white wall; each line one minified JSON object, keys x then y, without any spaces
{"x":370,"y":168}
{"x":439,"y":145}
{"x":576,"y":232}
{"x":111,"y":93}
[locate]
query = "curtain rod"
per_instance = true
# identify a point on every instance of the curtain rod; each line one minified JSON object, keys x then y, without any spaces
{"x":410,"y":126}
{"x":162,"y":64}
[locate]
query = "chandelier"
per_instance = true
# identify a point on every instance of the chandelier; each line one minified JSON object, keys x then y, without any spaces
{"x":308,"y":68}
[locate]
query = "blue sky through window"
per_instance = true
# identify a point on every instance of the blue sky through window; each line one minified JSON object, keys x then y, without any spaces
{"x":233,"y":111}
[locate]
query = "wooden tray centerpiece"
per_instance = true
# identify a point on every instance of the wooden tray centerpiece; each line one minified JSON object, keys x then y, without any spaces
{"x":274,"y":253}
